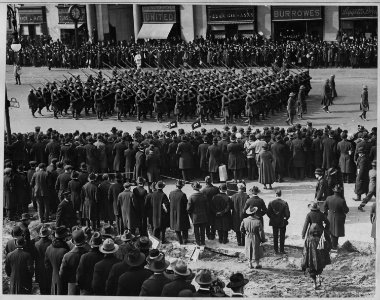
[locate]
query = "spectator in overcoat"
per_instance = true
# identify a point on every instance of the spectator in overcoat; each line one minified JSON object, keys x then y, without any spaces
{"x":53,"y":259}
{"x":87,"y":263}
{"x":197,"y":207}
{"x":236,"y":158}
{"x":66,"y":215}
{"x":329,"y":151}
{"x":186,"y":160}
{"x":70,"y":262}
{"x":40,"y":184}
{"x":104,"y":266}
{"x":278,"y":214}
{"x":279,"y":151}
{"x":214,"y":159}
{"x":179,"y":219}
{"x":345,"y":150}
{"x":336,"y":209}
{"x":220,"y":206}
{"x":159,"y":205}
{"x":126,"y":207}
{"x":266,"y":169}
{"x":371,"y":186}
{"x":113,"y":193}
{"x":238,"y":201}
{"x":19,"y":267}
{"x":89,"y":203}
{"x":362,"y":177}
{"x":43,"y":276}
{"x":321,"y":188}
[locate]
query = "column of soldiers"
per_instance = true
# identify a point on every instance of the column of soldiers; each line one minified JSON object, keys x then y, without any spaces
{"x":228,"y":94}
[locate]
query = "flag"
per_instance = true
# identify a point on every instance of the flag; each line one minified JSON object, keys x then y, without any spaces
{"x":196,"y":124}
{"x":172,"y":124}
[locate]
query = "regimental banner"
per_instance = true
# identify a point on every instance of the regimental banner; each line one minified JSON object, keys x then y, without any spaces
{"x":31,"y":15}
{"x":159,"y":14}
{"x":358,"y":12}
{"x":294,"y":13}
{"x":231,"y":15}
{"x":64,"y":18}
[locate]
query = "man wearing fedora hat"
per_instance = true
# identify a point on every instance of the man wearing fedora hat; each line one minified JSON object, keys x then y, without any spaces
{"x":113,"y":193}
{"x":179,"y":219}
{"x":336,"y":209}
{"x":19,"y":267}
{"x":362,"y":178}
{"x":322,"y":186}
{"x":236,"y":284}
{"x":89,"y":203}
{"x":204,"y":278}
{"x":139,"y":194}
{"x":129,"y":283}
{"x":53,"y":258}
{"x":41,"y":272}
{"x":24,"y":226}
{"x":256,"y":201}
{"x":197,"y":208}
{"x":75,"y":188}
{"x":10,"y":245}
{"x":70,"y":262}
{"x":371,"y":186}
{"x":127,"y":208}
{"x":121,"y":267}
{"x":39,"y":183}
{"x":104,"y":266}
{"x":105,"y":207}
{"x":210,"y":191}
{"x":238,"y":201}
{"x":87,"y":263}
{"x":220,"y":205}
{"x":62,"y":182}
{"x":157,"y":263}
{"x":66,"y":214}
{"x":180,"y":280}
{"x":159,"y":204}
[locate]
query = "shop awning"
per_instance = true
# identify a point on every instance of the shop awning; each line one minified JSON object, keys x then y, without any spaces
{"x":155,"y":31}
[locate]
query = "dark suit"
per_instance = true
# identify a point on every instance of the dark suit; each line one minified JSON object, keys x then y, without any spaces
{"x":40,"y":184}
{"x":19,"y":267}
{"x":279,"y":152}
{"x":179,"y":219}
{"x":202,"y":154}
{"x":126,"y":207}
{"x":43,"y":276}
{"x":173,"y":288}
{"x":101,"y":272}
{"x":53,"y":150}
{"x":197,"y":207}
{"x":130,"y":282}
{"x":69,"y":266}
{"x":92,"y":158}
{"x":238,"y":203}
{"x":160,"y":217}
{"x":62,"y":183}
{"x":139,"y":195}
{"x":53,"y":258}
{"x":210,"y":191}
{"x":336,"y":209}
{"x":321,"y":190}
{"x":118,"y":152}
{"x":278,"y":213}
{"x":220,"y":206}
{"x":329,"y":153}
{"x":66,"y":214}
{"x":85,"y":270}
{"x":152,"y":287}
{"x":214,"y":157}
{"x":117,"y":270}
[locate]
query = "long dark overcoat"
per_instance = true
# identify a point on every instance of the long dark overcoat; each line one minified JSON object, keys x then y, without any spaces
{"x":185,"y":153}
{"x":179,"y":219}
{"x":214,"y":158}
{"x":346,"y":164}
{"x":337,"y":210}
{"x":236,"y":157}
{"x":197,"y":207}
{"x":238,"y":202}
{"x":220,"y":203}
{"x":89,"y":203}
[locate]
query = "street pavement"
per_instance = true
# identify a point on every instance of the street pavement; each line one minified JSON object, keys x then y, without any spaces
{"x":344,"y":113}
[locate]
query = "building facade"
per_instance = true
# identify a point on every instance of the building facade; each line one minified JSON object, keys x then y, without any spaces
{"x":118,"y":22}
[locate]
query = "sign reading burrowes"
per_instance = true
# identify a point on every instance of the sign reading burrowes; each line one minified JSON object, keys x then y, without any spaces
{"x":294,"y":13}
{"x":358,"y":12}
{"x":159,"y":14}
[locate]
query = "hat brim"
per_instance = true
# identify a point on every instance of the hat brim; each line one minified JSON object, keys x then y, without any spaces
{"x":167,"y":263}
{"x":188,"y":273}
{"x":136,"y":263}
{"x":237,"y":284}
{"x":101,"y":249}
{"x":144,"y":246}
{"x":197,"y":280}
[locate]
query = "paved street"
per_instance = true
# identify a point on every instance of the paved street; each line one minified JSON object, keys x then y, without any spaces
{"x":345,"y":113}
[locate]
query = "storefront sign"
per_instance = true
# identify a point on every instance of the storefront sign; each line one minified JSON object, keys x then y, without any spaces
{"x":159,"y":14}
{"x":289,"y":13}
{"x":64,"y":17}
{"x":31,"y":18}
{"x":223,"y":14}
{"x":355,"y":12}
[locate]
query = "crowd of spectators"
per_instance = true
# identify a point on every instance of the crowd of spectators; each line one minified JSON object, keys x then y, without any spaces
{"x":355,"y":52}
